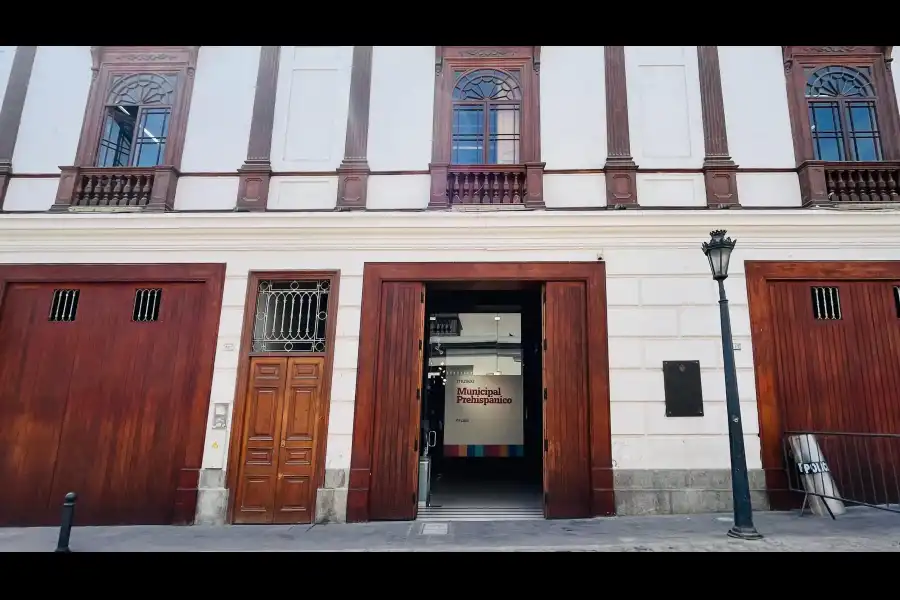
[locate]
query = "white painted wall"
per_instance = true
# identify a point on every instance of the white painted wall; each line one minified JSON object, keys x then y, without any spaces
{"x":221,"y":109}
{"x":402,"y":109}
{"x":896,"y":77}
{"x":53,"y":111}
{"x":665,"y":123}
{"x":573,"y":107}
{"x":311,"y":105}
{"x":662,"y":302}
{"x":7,"y":54}
{"x":758,"y":123}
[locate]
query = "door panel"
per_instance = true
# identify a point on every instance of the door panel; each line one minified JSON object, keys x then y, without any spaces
{"x":36,"y":361}
{"x":255,"y":500}
{"x":567,"y":483}
{"x":398,"y":379}
{"x":301,"y":413}
{"x":837,"y":372}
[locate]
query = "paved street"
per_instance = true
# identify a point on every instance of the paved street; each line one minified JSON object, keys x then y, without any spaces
{"x":858,"y":530}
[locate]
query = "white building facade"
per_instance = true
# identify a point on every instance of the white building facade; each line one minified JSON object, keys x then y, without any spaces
{"x":328,"y":158}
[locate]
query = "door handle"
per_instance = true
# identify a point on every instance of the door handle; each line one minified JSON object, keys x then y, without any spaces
{"x":432,"y":438}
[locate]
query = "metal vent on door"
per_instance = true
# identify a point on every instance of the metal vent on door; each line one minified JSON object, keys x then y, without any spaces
{"x":64,"y":306}
{"x":826,"y":303}
{"x":146,"y":305}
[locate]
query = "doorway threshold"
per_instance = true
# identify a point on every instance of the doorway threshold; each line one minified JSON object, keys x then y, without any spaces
{"x":459,"y":513}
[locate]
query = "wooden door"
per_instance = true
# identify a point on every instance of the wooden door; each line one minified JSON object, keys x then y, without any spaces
{"x":837,"y":347}
{"x":295,"y":489}
{"x":255,"y":493}
{"x":100,"y":402}
{"x":567,"y":482}
{"x":36,"y":362}
{"x":277,"y":479}
{"x":127,"y":420}
{"x":398,"y":397}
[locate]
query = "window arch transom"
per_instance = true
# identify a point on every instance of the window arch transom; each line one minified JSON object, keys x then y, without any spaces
{"x":136,"y":120}
{"x":840,"y":82}
{"x":142,"y":88}
{"x":487,"y":107}
{"x":486,"y":85}
{"x":842,"y":113}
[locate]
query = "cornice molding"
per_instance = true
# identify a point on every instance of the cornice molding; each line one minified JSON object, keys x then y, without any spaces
{"x":591,"y":232}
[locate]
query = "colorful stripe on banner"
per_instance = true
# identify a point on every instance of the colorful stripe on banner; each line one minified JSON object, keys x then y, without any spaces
{"x":479,"y":451}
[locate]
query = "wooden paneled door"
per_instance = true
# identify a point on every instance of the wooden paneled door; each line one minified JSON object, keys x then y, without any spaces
{"x":398,"y":385}
{"x":837,"y":346}
{"x":567,"y":469}
{"x":283,"y":411}
{"x":104,"y":388}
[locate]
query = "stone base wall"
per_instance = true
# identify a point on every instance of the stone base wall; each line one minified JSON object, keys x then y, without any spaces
{"x":331,"y":500}
{"x":638,"y":492}
{"x":212,"y":498}
{"x":681,"y":491}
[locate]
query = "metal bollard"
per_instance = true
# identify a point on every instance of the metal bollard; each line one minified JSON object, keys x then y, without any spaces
{"x":65,"y":526}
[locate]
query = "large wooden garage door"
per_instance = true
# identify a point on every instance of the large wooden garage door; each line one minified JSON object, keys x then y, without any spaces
{"x":398,"y":380}
{"x":837,"y":353}
{"x":567,"y":471}
{"x":97,"y":382}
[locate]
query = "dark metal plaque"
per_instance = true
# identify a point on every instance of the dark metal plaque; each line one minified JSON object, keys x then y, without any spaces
{"x":684,"y":394}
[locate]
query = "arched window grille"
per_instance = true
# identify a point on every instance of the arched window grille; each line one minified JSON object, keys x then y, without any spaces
{"x":487,"y":112}
{"x":842,"y":114}
{"x":136,"y":120}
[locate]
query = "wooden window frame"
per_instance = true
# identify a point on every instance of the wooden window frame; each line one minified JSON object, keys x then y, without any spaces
{"x":818,"y":177}
{"x":109,"y":61}
{"x":526,"y":61}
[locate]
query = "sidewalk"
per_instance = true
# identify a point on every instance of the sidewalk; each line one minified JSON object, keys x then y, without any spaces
{"x":859,"y":530}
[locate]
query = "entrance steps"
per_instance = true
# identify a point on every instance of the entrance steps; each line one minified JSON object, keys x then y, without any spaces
{"x":457,"y":513}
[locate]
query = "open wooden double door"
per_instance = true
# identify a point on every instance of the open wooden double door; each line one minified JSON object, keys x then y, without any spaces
{"x":398,"y":392}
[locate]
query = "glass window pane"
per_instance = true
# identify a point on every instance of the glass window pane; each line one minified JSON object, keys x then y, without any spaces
{"x":828,"y":148}
{"x":150,"y":142}
{"x":503,"y":146}
{"x":823,"y":117}
{"x":468,"y":135}
{"x":866,"y":148}
{"x":116,"y":136}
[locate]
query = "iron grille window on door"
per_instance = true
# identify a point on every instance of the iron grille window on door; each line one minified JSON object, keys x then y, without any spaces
{"x":64,"y":305}
{"x":146,"y":305}
{"x":826,"y":303}
{"x":291,"y":316}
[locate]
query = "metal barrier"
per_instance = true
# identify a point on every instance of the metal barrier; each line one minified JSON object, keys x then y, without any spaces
{"x":65,"y":525}
{"x":833,"y":468}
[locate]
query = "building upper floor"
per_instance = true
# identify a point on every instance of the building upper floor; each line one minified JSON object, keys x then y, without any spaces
{"x":248,"y":128}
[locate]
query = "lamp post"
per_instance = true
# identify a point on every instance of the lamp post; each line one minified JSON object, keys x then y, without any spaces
{"x":718,"y":251}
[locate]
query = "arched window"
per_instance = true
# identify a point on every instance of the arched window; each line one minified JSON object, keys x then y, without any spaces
{"x":486,"y":118}
{"x":136,"y":118}
{"x":842,"y":115}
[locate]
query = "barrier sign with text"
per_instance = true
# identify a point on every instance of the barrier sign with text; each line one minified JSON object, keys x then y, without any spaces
{"x":483,"y":416}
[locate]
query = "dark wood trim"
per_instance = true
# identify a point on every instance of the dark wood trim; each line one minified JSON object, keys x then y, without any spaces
{"x":813,"y":187}
{"x":256,"y":172}
{"x":11,"y":111}
{"x":600,"y":171}
{"x":758,"y":275}
{"x":621,"y":172}
{"x":212,"y":276}
{"x":354,"y":170}
{"x":109,"y":61}
{"x":719,"y":171}
{"x":375,"y":274}
{"x":523,"y":59}
{"x":243,"y":374}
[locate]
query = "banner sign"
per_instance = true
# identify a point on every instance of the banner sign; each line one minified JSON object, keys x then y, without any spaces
{"x":483,"y":416}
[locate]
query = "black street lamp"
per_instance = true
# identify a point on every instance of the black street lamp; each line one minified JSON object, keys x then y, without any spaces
{"x":718,"y":251}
